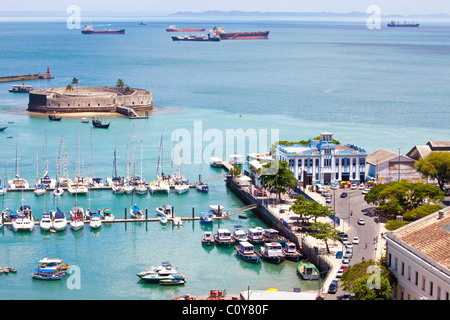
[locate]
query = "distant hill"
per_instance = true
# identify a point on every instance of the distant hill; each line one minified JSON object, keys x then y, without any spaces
{"x":353,"y":14}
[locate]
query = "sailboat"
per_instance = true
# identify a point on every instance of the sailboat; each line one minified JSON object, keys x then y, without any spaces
{"x":159,"y":184}
{"x":59,"y":220}
{"x":77,"y":214}
{"x":39,"y":188}
{"x":79,"y":185}
{"x":181,"y":184}
{"x":62,"y":166}
{"x":116,"y":183}
{"x":45,"y":180}
{"x":17,"y":182}
{"x":140,"y":185}
{"x":136,"y":212}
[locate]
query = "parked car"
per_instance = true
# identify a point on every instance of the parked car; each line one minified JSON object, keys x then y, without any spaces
{"x":365,"y":190}
{"x":344,"y":194}
{"x":355,"y":240}
{"x":353,"y":187}
{"x":361,"y":186}
{"x":332,"y":288}
{"x":339,"y":273}
{"x":259,"y":193}
{"x":361,"y":221}
{"x":328,"y":200}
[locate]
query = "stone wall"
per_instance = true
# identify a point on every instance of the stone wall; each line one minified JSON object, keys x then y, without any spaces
{"x":88,"y":99}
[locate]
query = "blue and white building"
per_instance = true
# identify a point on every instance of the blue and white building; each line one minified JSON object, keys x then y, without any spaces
{"x":324,"y":162}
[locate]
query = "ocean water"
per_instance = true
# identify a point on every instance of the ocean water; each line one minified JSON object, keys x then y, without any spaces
{"x":385,"y":88}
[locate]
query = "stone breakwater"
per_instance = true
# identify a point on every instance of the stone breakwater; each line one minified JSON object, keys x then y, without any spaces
{"x":88,"y":99}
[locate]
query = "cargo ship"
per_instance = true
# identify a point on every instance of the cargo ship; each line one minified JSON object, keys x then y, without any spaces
{"x":202,"y":37}
{"x":90,"y":30}
{"x":405,"y":24}
{"x":172,"y":28}
{"x":240,"y":35}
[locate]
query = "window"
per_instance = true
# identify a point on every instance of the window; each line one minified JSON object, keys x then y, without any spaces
{"x":337,"y":162}
{"x":423,"y":283}
{"x":354,"y":162}
{"x":409,"y":273}
{"x":403,"y":268}
{"x":417,"y":279}
{"x":431,"y":288}
{"x":395,"y":264}
{"x":317,"y":162}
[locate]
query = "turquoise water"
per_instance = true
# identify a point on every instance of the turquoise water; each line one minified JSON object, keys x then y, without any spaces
{"x":376,"y":89}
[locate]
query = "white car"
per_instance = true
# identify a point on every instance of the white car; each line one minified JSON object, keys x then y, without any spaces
{"x":365,"y":190}
{"x":355,"y":240}
{"x":361,"y":221}
{"x":353,"y":187}
{"x":361,"y":186}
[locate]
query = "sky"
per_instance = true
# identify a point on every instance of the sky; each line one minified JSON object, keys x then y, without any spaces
{"x":403,"y":7}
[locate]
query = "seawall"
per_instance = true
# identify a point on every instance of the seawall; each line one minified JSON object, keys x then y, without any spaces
{"x":26,"y":77}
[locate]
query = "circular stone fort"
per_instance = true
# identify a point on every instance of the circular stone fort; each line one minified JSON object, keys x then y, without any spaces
{"x":90,"y":99}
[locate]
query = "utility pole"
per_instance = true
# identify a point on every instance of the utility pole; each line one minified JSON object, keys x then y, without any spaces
{"x":399,"y":163}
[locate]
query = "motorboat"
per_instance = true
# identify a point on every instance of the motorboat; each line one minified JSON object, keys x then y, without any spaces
{"x":2,"y":189}
{"x":255,"y":236}
{"x":107,"y":214}
{"x":272,"y":235}
{"x":163,"y":220}
{"x":136,"y":213}
{"x":96,"y":183}
{"x":95,"y":221}
{"x":128,"y":188}
{"x":156,"y":274}
{"x":203,"y":187}
{"x":223,"y":238}
{"x":247,"y":252}
{"x":58,"y":191}
{"x":77,"y":221}
{"x":239,"y":234}
{"x":217,"y":209}
{"x":46,"y":222}
{"x":141,"y":188}
{"x":206,"y":218}
{"x":173,"y":280}
{"x":272,"y":252}
{"x":47,"y":274}
{"x":40,"y":190}
{"x":215,"y":162}
{"x":59,"y":220}
{"x":236,"y":159}
{"x":53,"y":263}
{"x":291,"y":252}
{"x":207,"y":238}
{"x":164,"y":210}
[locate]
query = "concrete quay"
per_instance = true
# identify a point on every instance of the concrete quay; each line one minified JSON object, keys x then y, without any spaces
{"x":26,"y":77}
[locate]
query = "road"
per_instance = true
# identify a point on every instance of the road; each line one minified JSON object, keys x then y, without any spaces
{"x":349,"y":210}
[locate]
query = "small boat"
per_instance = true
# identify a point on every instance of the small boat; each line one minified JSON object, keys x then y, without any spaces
{"x":136,"y":213}
{"x":84,"y":120}
{"x":173,"y":280}
{"x":163,"y":220}
{"x":307,"y":270}
{"x":291,"y":252}
{"x":2,"y":189}
{"x":164,"y":210}
{"x":95,"y":221}
{"x":239,"y":234}
{"x":177,"y":221}
{"x":47,"y":274}
{"x":59,"y":220}
{"x":2,"y":128}
{"x":223,"y":238}
{"x":272,"y":252}
{"x":53,"y":263}
{"x":156,"y":274}
{"x":53,"y":117}
{"x":203,"y":187}
{"x":99,"y":123}
{"x":207,"y":238}
{"x":206,"y":218}
{"x":21,"y":88}
{"x":247,"y":252}
{"x":58,"y":190}
{"x":255,"y":236}
{"x":271,"y":235}
{"x":39,"y":190}
{"x":215,"y":162}
{"x":107,"y":214}
{"x":24,"y":220}
{"x":46,"y":222}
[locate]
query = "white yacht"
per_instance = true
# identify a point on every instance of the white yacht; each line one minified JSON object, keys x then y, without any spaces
{"x":159,"y":186}
{"x":59,"y":220}
{"x":239,"y":234}
{"x":177,"y":221}
{"x":181,"y":188}
{"x":77,"y":221}
{"x":46,"y":222}
{"x":77,"y":188}
{"x":18,"y":183}
{"x":40,"y":190}
{"x":164,"y":210}
{"x":95,"y":221}
{"x":24,"y":221}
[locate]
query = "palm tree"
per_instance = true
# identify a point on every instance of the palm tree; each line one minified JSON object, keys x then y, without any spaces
{"x":69,"y":87}
{"x":75,"y":81}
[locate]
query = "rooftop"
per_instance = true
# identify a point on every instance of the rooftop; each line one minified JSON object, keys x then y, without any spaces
{"x":383,"y":155}
{"x":429,"y":236}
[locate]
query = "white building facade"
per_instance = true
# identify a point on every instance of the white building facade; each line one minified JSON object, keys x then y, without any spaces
{"x":419,"y":256}
{"x":324,"y":162}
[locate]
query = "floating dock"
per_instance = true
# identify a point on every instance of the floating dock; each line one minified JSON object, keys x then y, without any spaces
{"x":27,"y":77}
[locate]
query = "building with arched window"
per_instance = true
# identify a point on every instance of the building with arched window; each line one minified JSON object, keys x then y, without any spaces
{"x":323,"y":161}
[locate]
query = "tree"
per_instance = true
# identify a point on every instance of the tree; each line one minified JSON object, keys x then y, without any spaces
{"x":278,"y":181}
{"x":324,"y":231}
{"x":436,"y":165}
{"x":120,"y":83}
{"x":69,"y":87}
{"x":75,"y":81}
{"x":368,"y":280}
{"x":235,"y":171}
